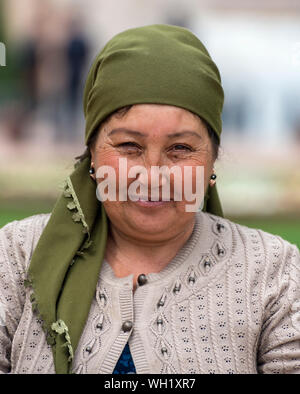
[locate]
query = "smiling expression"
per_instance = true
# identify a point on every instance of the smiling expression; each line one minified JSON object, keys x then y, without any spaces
{"x":152,"y":135}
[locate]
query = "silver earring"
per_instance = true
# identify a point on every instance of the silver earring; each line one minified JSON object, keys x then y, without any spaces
{"x":213,"y":178}
{"x":92,"y":169}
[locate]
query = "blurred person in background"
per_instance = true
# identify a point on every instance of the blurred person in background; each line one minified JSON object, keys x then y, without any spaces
{"x":77,"y":51}
{"x":50,"y":75}
{"x":52,"y":61}
{"x":145,"y":286}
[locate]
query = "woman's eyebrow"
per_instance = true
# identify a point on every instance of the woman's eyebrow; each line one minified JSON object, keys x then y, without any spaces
{"x":184,"y":133}
{"x":126,"y":131}
{"x":136,"y":133}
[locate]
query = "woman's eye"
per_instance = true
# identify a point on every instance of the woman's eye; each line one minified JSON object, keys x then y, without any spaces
{"x":181,"y":147}
{"x":129,"y":146}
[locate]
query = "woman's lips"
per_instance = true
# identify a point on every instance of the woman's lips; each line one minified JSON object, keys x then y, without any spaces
{"x":151,"y":204}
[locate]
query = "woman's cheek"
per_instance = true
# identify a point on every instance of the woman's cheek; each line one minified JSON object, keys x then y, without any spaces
{"x":190,"y":192}
{"x":120,"y":167}
{"x":107,"y":157}
{"x":194,"y":176}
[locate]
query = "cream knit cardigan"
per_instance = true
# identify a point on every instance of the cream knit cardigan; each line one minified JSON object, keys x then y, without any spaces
{"x":227,"y":303}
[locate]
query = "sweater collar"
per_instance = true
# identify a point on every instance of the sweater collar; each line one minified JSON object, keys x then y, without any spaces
{"x":205,"y":240}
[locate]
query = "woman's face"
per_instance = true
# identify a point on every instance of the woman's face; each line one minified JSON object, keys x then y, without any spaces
{"x":153,"y":135}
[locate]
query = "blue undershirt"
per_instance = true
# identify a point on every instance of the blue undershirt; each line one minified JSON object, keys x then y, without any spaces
{"x":125,"y":363}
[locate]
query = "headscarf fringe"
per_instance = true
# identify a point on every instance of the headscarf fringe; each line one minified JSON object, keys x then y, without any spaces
{"x":74,"y":205}
{"x":77,"y":216}
{"x":61,"y":328}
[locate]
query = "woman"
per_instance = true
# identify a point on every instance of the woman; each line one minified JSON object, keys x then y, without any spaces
{"x":166,"y":289}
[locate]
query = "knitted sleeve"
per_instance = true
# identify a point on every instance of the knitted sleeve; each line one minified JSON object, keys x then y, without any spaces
{"x":279,"y":345}
{"x":17,"y":242}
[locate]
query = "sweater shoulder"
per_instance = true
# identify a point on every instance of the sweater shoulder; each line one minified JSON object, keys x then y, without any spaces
{"x":269,"y":251}
{"x":274,"y":246}
{"x":19,"y":238}
{"x":247,"y":233}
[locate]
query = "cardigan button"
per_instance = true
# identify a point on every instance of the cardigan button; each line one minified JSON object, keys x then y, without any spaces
{"x":164,"y":350}
{"x":221,"y":252}
{"x":127,"y":325}
{"x":142,"y":279}
{"x":220,"y":227}
{"x":102,"y":297}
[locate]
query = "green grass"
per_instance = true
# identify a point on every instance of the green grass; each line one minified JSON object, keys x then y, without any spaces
{"x":9,"y":216}
{"x":287,"y":227}
{"x":17,"y":211}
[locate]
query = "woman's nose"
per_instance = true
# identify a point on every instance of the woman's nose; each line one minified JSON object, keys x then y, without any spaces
{"x":154,"y":177}
{"x":153,"y":157}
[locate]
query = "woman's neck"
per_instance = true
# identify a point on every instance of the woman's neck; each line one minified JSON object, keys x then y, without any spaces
{"x":130,"y":256}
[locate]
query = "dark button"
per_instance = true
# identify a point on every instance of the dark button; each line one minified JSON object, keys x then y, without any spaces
{"x":142,"y":279}
{"x":220,"y":227}
{"x":88,"y":349}
{"x":207,"y":263}
{"x":164,"y":350}
{"x":221,"y":252}
{"x":127,"y":325}
{"x":177,"y":287}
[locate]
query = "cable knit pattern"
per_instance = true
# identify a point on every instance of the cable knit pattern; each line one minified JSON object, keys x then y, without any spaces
{"x":227,"y":303}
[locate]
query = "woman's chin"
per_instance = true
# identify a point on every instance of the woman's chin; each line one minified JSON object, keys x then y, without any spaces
{"x":152,"y":218}
{"x":148,"y":221}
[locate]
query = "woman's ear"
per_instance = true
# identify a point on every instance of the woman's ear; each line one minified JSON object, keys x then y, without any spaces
{"x":92,"y":154}
{"x":92,"y":149}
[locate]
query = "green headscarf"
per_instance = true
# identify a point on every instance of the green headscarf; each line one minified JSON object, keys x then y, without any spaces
{"x":153,"y":64}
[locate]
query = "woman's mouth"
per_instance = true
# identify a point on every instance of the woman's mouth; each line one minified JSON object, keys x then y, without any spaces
{"x":152,"y":204}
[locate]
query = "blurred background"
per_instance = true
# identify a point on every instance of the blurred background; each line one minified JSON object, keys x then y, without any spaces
{"x":48,"y":46}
